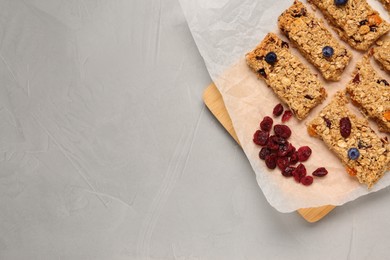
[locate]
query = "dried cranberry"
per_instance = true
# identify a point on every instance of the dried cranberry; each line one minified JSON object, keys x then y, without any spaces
{"x":262,"y":73}
{"x":266,"y":124}
{"x":363,"y":22}
{"x":307,"y":180}
{"x":288,"y":171}
{"x":270,"y":161}
{"x":299,"y":172}
{"x":278,"y":110}
{"x":294,"y":158}
{"x":304,"y":153}
{"x":291,"y":150}
{"x":282,"y":131}
{"x":320,"y":172}
{"x":284,"y":45}
{"x":345,"y":127}
{"x":286,"y":116}
{"x":282,"y":162}
{"x":383,"y":81}
{"x":285,"y":149}
{"x":275,"y":141}
{"x":260,"y":137}
{"x":259,"y":57}
{"x":309,"y":97}
{"x":327,"y":122}
{"x":356,"y":79}
{"x":280,"y":140}
{"x":264,"y":152}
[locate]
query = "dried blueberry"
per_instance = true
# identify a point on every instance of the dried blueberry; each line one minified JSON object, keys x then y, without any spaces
{"x":327,"y":51}
{"x":340,"y":2}
{"x":271,"y":57}
{"x":353,"y":153}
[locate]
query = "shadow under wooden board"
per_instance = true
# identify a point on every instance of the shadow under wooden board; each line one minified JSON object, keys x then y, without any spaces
{"x":214,"y":102}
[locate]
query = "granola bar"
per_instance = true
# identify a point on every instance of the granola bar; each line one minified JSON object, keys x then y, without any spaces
{"x":382,"y":54}
{"x":371,"y":93}
{"x":355,"y":21}
{"x":291,"y":80}
{"x":311,"y":37}
{"x":361,"y":150}
{"x":386,"y":4}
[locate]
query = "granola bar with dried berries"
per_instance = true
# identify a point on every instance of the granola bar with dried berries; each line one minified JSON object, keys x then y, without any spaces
{"x":311,"y":37}
{"x":365,"y":155}
{"x":355,"y":21}
{"x":288,"y":77}
{"x":382,"y":54}
{"x":371,"y":93}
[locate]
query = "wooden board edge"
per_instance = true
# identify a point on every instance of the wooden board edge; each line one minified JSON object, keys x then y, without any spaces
{"x":214,"y":102}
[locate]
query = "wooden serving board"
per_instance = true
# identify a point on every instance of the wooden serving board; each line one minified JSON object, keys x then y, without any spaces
{"x":213,"y":100}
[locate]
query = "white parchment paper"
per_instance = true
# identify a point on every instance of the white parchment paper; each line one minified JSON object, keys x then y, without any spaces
{"x":225,"y":30}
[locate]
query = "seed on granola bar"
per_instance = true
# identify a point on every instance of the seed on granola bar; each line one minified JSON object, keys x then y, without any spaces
{"x":363,"y":145}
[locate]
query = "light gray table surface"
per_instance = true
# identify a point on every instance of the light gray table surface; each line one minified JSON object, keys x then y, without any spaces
{"x":108,"y":152}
